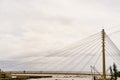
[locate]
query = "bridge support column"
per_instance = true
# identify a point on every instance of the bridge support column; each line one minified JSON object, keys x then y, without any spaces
{"x":103,"y":54}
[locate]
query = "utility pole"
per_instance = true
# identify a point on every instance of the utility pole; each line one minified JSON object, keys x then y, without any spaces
{"x":103,"y":54}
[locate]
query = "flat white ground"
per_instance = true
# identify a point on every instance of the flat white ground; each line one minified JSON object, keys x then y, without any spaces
{"x":62,"y":79}
{"x":65,"y":79}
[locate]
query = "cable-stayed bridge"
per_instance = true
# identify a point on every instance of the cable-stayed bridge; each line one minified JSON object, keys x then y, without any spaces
{"x":80,"y":57}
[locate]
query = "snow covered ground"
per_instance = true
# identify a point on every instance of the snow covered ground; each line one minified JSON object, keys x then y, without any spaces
{"x":62,"y":79}
{"x":66,"y":78}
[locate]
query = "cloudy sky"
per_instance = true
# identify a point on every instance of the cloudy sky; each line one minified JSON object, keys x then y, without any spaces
{"x":34,"y":27}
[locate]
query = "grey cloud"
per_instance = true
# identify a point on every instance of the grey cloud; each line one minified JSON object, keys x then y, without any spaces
{"x":31,"y":25}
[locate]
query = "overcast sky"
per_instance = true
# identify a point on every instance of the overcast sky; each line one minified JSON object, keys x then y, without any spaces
{"x":30,"y":27}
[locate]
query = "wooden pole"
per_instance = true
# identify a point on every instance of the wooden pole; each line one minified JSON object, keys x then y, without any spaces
{"x":103,"y":54}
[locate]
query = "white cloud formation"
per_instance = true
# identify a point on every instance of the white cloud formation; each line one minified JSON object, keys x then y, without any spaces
{"x":34,"y":27}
